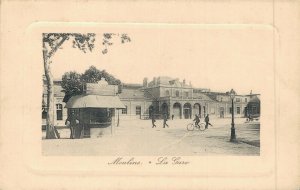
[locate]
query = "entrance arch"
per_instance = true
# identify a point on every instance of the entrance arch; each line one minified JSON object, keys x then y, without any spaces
{"x":177,"y":110}
{"x":197,"y":109}
{"x":187,"y":111}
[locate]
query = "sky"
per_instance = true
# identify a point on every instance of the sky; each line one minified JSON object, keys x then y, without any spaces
{"x":214,"y":57}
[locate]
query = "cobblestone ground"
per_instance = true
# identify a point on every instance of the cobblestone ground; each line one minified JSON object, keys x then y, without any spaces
{"x":138,"y":138}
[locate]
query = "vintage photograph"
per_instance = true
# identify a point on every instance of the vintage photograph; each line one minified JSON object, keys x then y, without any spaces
{"x":149,"y":95}
{"x":152,"y":91}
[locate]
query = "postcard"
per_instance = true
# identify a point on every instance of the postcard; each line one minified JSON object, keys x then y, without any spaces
{"x":196,"y":97}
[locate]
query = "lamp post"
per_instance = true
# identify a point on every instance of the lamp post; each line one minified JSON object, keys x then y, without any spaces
{"x":232,"y":136}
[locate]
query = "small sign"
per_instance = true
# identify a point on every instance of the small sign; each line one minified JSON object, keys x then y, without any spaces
{"x":101,"y":89}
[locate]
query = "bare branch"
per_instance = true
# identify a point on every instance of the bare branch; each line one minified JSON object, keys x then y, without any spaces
{"x":53,"y":50}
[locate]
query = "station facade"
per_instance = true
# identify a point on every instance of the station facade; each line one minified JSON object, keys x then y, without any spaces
{"x":179,"y":100}
{"x":165,"y":95}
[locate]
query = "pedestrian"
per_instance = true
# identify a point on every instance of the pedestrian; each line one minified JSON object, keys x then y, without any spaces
{"x":165,"y":121}
{"x":249,"y":117}
{"x":72,"y":122}
{"x":153,"y":121}
{"x":172,"y":116}
{"x":207,"y":121}
{"x":197,"y":120}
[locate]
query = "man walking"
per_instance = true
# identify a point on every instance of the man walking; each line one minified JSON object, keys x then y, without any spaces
{"x":207,"y":121}
{"x":165,"y":121}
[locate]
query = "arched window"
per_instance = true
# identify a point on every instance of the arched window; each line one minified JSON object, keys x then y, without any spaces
{"x":167,"y":93}
{"x":186,"y":94}
{"x":177,"y":93}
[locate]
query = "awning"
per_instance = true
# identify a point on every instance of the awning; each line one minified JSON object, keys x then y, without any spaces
{"x":94,"y":101}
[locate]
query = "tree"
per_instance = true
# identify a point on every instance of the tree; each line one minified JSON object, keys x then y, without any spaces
{"x":93,"y":75}
{"x":72,"y":84}
{"x":54,"y":41}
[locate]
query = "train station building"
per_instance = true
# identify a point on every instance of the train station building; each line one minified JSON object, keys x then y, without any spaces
{"x":165,"y":95}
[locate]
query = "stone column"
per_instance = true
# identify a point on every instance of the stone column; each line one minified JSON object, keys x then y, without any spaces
{"x":171,"y":109}
{"x":182,"y":112}
{"x":192,"y":110}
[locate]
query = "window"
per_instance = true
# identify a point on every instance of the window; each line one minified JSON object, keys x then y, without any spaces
{"x":167,"y":93}
{"x":138,"y":110}
{"x":186,"y":94}
{"x":254,"y":110}
{"x":237,"y":99}
{"x":177,"y":93}
{"x":44,"y":114}
{"x":238,"y":110}
{"x":99,"y":115}
{"x":246,"y":100}
{"x":59,"y":115}
{"x":221,"y":99}
{"x":124,"y":110}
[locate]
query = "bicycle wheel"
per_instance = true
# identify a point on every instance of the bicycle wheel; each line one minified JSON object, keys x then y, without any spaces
{"x":201,"y":126}
{"x":190,"y":127}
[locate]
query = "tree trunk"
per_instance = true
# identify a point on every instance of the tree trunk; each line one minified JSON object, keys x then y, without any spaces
{"x":50,"y":130}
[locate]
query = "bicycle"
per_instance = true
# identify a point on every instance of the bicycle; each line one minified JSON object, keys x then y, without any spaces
{"x":192,"y":126}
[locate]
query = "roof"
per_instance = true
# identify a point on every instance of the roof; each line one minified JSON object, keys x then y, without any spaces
{"x":131,"y":93}
{"x":168,"y":81}
{"x":132,"y":86}
{"x":254,"y":99}
{"x":211,"y":96}
{"x":202,"y":96}
{"x":94,"y":101}
{"x":101,"y":88}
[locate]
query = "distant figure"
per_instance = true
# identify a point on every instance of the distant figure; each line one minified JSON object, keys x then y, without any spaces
{"x":165,"y":121}
{"x":172,"y":116}
{"x":207,"y":121}
{"x":249,"y":117}
{"x":197,"y":120}
{"x":72,"y":122}
{"x":153,"y":121}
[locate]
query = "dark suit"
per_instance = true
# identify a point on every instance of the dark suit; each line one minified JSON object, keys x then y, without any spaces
{"x":153,"y":122}
{"x":207,"y":122}
{"x":165,"y":121}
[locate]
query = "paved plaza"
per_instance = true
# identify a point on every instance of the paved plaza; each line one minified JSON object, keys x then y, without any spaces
{"x":138,"y":138}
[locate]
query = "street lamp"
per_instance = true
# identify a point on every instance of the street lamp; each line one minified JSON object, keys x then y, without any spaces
{"x":232,"y":94}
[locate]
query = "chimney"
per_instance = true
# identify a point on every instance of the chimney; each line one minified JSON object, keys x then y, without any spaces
{"x":145,"y":82}
{"x":183,"y":81}
{"x":158,"y":81}
{"x":154,"y":81}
